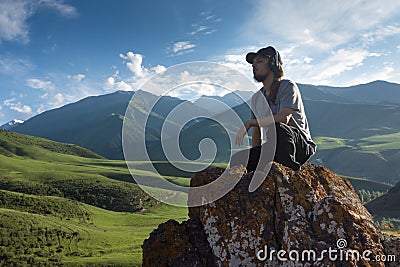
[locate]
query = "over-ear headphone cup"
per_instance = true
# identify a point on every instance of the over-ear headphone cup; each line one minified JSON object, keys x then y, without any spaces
{"x":271,"y":64}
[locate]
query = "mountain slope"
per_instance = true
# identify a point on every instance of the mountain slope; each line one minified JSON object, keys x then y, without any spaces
{"x":377,"y":92}
{"x":373,"y":92}
{"x":314,"y":92}
{"x":386,"y":205}
{"x":14,"y":144}
{"x":75,"y":123}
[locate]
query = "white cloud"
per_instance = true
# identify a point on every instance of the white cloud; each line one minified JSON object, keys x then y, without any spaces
{"x":40,"y":109}
{"x":198,"y":29}
{"x":380,"y":34}
{"x":206,"y":25}
{"x":325,"y":70}
{"x":58,"y":100}
{"x":193,"y":79}
{"x":77,"y":77}
{"x":15,"y":14}
{"x":301,"y":68}
{"x":210,"y":32}
{"x":159,"y":69}
{"x":44,"y":96}
{"x":39,"y":84}
{"x":13,"y":104}
{"x":64,"y":9}
{"x":134,"y":63}
{"x":339,"y":62}
{"x":238,"y":62}
{"x":13,"y":66}
{"x":385,"y":73}
{"x":112,"y":85}
{"x":321,"y":24}
{"x":183,"y":47}
{"x":194,"y":91}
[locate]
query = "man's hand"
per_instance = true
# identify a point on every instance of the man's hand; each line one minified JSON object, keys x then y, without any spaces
{"x":241,"y":133}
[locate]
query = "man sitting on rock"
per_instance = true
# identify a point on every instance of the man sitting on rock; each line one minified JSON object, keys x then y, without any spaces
{"x":277,"y":108}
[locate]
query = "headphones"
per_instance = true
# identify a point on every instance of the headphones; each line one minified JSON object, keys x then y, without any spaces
{"x":273,"y":62}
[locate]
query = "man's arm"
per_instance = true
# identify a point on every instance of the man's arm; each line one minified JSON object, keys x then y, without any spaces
{"x":283,"y":116}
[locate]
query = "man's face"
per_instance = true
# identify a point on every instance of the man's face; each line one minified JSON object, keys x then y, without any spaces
{"x":260,"y":68}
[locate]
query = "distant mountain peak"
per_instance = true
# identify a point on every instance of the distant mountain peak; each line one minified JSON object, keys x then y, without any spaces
{"x":11,"y":124}
{"x":123,"y":92}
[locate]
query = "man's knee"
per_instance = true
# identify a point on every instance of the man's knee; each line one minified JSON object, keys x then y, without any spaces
{"x":283,"y":132}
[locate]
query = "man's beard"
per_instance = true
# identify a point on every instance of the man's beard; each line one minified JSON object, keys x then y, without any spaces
{"x":259,"y":77}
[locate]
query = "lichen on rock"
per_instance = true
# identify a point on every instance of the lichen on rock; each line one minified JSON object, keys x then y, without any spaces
{"x":310,"y":210}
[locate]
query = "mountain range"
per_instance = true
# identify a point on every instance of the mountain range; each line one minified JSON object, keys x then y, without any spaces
{"x":355,"y":127}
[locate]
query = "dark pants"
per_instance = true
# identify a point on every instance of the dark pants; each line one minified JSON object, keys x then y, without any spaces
{"x":292,"y":150}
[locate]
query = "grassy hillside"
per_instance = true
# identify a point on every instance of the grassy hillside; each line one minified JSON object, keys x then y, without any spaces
{"x":44,"y":220}
{"x":375,"y":157}
{"x":95,"y":181}
{"x":12,"y":144}
{"x":73,"y":177}
{"x":93,"y":236}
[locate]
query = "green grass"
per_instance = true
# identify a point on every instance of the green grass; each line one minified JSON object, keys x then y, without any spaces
{"x":382,"y":142}
{"x":104,"y":237}
{"x":43,"y":215}
{"x":376,"y":143}
{"x":325,"y":143}
{"x":117,"y":237}
{"x":24,"y":145}
{"x":375,"y":158}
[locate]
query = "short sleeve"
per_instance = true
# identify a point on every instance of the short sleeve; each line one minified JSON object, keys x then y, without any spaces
{"x":289,"y":96}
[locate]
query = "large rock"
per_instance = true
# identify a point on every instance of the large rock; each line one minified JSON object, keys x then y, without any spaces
{"x":311,"y":217}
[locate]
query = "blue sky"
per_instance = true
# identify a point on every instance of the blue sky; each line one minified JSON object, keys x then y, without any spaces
{"x":54,"y":52}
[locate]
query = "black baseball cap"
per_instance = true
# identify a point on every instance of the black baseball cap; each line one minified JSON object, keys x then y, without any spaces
{"x":266,"y":51}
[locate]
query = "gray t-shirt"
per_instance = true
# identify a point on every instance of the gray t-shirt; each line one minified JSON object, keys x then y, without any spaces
{"x":288,"y":96}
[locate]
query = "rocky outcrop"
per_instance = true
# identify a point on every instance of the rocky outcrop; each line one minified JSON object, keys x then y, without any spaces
{"x":391,"y":245}
{"x":311,"y":217}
